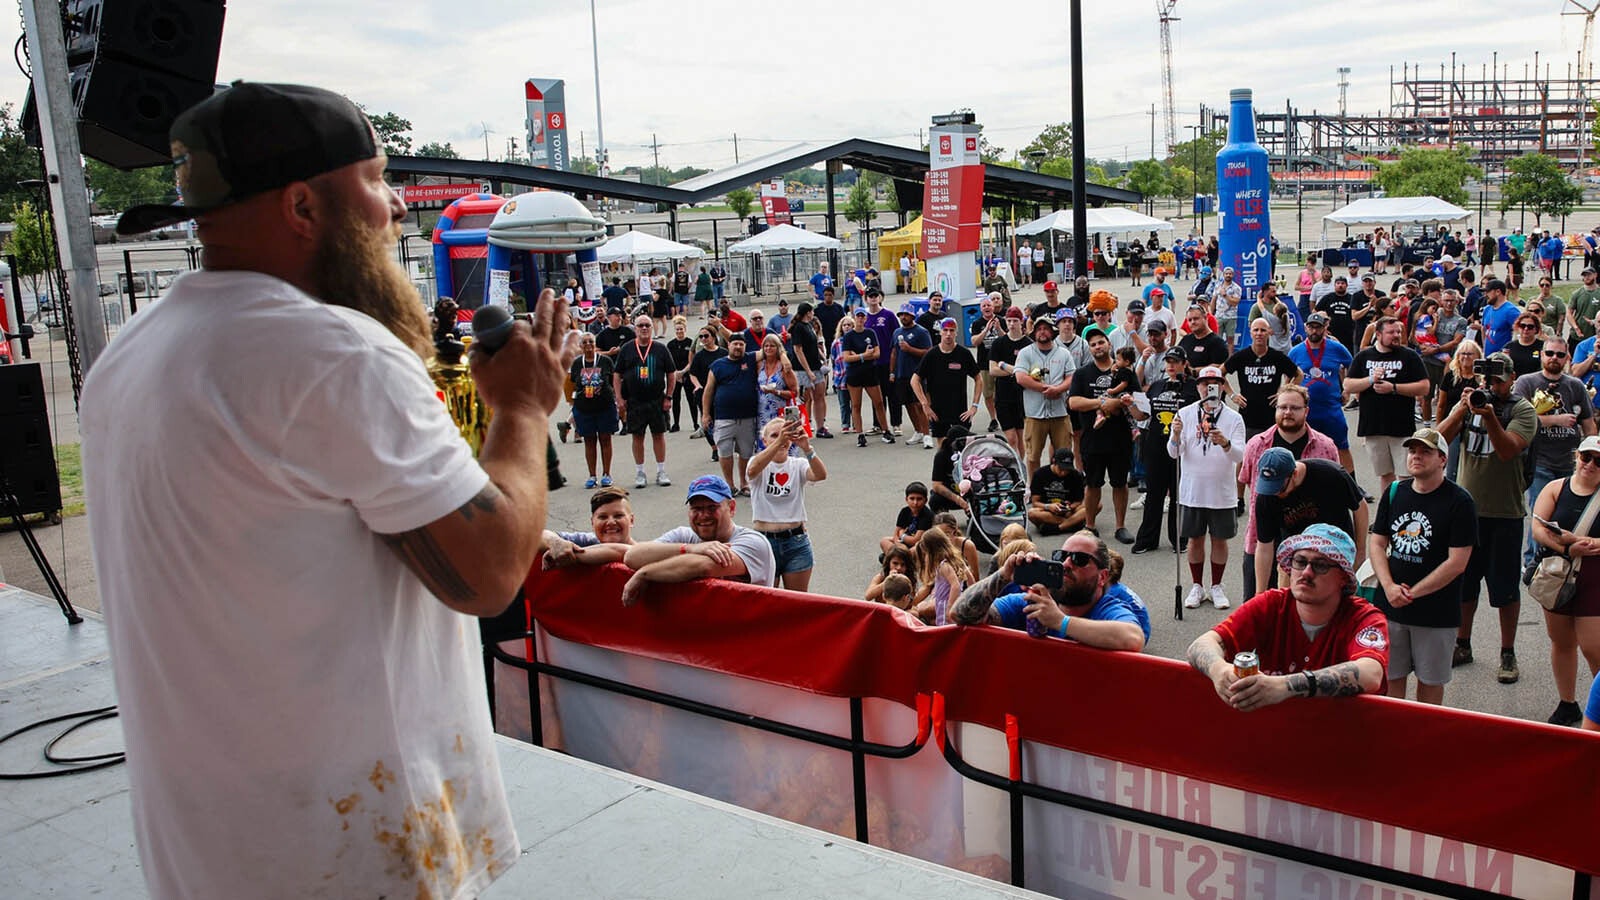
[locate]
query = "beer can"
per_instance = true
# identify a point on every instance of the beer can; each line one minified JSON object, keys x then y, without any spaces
{"x":1246,"y":664}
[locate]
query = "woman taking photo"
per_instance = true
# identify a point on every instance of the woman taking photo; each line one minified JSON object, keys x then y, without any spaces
{"x":1575,"y":626}
{"x":775,"y":381}
{"x":777,"y":498}
{"x":1457,"y":378}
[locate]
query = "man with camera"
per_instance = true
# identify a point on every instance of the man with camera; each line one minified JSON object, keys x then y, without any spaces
{"x":1069,"y":596}
{"x":1496,"y":427}
{"x":1207,"y":440}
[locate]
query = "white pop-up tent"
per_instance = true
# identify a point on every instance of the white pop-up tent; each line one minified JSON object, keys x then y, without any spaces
{"x":1101,"y":220}
{"x":1397,"y":211}
{"x":641,"y":246}
{"x":784,"y":238}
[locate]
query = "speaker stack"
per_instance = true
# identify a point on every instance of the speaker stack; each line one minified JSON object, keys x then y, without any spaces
{"x":135,"y":65}
{"x":27,"y":456}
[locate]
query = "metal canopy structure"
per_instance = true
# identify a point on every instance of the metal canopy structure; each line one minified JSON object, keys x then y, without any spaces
{"x":1001,"y":183}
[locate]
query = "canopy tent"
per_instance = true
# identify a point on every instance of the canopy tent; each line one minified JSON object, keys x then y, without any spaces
{"x":783,"y":238}
{"x":1397,"y":211}
{"x":1101,"y":220}
{"x":641,"y":246}
{"x":905,"y":239}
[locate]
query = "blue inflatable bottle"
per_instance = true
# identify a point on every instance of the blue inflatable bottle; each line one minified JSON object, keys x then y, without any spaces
{"x":1244,"y":186}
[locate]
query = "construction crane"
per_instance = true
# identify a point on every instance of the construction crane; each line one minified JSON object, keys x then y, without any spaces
{"x":1584,"y":63}
{"x":1164,"y":13}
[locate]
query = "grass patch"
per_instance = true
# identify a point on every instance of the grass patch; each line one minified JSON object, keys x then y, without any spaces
{"x":69,"y":469}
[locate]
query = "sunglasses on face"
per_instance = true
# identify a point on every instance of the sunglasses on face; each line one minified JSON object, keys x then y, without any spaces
{"x":1589,"y":459}
{"x":1556,"y":354}
{"x":1078,"y":558}
{"x":1525,"y":326}
{"x":1317,"y":566}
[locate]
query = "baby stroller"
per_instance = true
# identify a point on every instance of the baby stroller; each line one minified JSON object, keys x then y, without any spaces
{"x":993,"y":483}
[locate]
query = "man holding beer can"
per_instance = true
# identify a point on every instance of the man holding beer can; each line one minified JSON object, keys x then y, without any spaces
{"x":1347,"y":656}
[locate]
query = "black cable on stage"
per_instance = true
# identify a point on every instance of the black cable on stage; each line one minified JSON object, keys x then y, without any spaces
{"x":90,"y":763}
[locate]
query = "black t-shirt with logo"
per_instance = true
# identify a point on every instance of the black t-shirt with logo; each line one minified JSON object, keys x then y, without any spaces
{"x":592,"y":383}
{"x":1421,"y":529}
{"x":1114,"y":435}
{"x":1167,"y":396}
{"x":944,"y":377}
{"x":644,"y":376}
{"x":1328,"y":495}
{"x":1341,"y":318}
{"x":1005,"y":350}
{"x":611,"y":338}
{"x":1388,"y":415}
{"x":1052,"y":488}
{"x":1210,"y":350}
{"x":680,"y":283}
{"x":1259,"y":379}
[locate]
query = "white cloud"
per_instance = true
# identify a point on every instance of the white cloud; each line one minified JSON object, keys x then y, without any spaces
{"x":695,"y":74}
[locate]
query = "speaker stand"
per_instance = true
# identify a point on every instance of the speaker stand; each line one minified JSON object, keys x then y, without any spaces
{"x":13,"y":507}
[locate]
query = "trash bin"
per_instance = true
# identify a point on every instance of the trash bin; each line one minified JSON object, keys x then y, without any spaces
{"x":971,"y":312}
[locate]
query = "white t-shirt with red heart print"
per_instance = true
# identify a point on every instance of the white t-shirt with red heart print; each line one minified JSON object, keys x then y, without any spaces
{"x":779,"y":494}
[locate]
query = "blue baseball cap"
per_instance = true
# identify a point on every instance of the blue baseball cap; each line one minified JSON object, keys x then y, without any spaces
{"x":906,"y":309}
{"x":1274,"y":471}
{"x":711,"y":486}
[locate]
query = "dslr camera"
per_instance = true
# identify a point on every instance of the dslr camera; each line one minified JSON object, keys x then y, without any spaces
{"x":1482,"y":370}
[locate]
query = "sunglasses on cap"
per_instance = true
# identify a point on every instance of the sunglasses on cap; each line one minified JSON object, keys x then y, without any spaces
{"x":1079,"y":558}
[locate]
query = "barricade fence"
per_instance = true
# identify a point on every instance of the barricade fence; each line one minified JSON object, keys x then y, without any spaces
{"x":1059,"y":768}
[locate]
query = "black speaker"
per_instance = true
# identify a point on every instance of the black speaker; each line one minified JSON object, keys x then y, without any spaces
{"x":178,"y":37}
{"x":27,"y":456}
{"x":125,"y":111}
{"x":21,"y":389}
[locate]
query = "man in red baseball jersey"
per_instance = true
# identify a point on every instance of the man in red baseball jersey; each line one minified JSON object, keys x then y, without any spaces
{"x":1312,"y":638}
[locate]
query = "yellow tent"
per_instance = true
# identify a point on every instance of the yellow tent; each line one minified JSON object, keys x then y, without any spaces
{"x":907,"y":239}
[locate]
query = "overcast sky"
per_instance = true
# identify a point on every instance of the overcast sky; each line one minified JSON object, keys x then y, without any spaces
{"x":693,"y":74}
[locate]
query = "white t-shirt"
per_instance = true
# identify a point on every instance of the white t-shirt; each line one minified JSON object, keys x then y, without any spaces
{"x":1025,"y":255}
{"x":749,"y":544}
{"x":779,"y":495}
{"x":1164,"y":314}
{"x":1207,"y":473}
{"x":303,"y":718}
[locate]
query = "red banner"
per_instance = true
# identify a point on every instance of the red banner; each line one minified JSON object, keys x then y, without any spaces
{"x":1341,"y":755}
{"x":952,"y":210}
{"x":775,"y":202}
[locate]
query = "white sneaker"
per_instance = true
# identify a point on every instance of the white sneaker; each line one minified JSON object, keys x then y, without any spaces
{"x":1196,"y":594}
{"x":639,"y":480}
{"x":1218,"y":598}
{"x":927,"y":442}
{"x":916,"y":438}
{"x":1137,"y":504}
{"x":663,"y":480}
{"x":898,"y":432}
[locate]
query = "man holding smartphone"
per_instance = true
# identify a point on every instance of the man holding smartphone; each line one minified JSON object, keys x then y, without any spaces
{"x":1080,"y":604}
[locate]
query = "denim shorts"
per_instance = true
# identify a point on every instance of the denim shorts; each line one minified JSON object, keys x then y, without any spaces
{"x":792,"y":553}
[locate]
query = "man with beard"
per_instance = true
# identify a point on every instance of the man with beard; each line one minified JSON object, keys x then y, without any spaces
{"x":1207,"y":440}
{"x":1166,"y":396}
{"x":1339,"y":307}
{"x":1260,"y":371}
{"x":611,"y":521}
{"x":989,"y":327}
{"x":1567,"y":419}
{"x":1324,"y":361}
{"x":930,"y":319}
{"x":1312,"y":639}
{"x":1085,"y":608}
{"x":1201,"y":345}
{"x":1294,"y":494}
{"x":1387,"y":379}
{"x":1101,"y":394}
{"x":643,"y":381}
{"x":1289,"y":431}
{"x":712,"y":545}
{"x":1044,"y":371}
{"x":275,"y":403}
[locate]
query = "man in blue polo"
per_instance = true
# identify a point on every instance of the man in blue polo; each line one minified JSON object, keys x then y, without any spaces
{"x":821,"y":281}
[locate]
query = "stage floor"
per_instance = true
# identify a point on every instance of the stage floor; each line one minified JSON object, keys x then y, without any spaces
{"x":586,"y":831}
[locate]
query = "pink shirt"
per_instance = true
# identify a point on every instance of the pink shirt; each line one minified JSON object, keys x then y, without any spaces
{"x":1318,"y":446}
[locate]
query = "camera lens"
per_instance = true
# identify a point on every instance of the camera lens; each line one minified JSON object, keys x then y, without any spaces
{"x":1480,"y":397}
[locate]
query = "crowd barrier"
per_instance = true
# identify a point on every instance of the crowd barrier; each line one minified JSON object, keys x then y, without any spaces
{"x":1060,"y":768}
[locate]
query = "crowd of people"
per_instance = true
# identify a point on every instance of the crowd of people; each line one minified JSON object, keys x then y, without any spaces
{"x":1471,"y":409}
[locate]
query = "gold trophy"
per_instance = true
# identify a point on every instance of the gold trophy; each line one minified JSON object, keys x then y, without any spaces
{"x":460,"y":395}
{"x":1544,"y":401}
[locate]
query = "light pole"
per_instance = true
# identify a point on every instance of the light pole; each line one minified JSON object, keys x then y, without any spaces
{"x":600,"y":129}
{"x":1194,"y":178}
{"x":1080,"y":202}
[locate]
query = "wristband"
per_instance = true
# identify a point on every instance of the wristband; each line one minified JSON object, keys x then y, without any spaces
{"x":1061,"y":631}
{"x":682,"y":549}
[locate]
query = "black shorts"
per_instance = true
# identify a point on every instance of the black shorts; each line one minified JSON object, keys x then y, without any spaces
{"x":907,"y":397}
{"x":1496,"y":561}
{"x":861,"y":378}
{"x":661,"y":307}
{"x":1098,"y":466}
{"x":1009,"y":415}
{"x":649,"y":415}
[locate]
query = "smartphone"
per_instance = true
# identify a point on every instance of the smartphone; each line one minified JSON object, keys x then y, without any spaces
{"x":791,"y":415}
{"x":1040,"y":571}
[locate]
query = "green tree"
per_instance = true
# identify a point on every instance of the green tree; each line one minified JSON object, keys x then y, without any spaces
{"x":114,"y":190}
{"x":18,"y":162}
{"x":1055,"y":142}
{"x":859,"y":205}
{"x":436,"y":150}
{"x":31,"y":244}
{"x":1421,"y":172}
{"x":1180,"y":182}
{"x":393,"y":130}
{"x":1149,"y":178}
{"x":1199,"y":154}
{"x":1062,"y":168}
{"x":740,"y":200}
{"x":583,"y":165}
{"x":1538,"y":182}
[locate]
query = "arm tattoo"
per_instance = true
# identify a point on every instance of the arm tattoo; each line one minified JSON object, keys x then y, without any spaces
{"x":974,"y":604}
{"x":1203,"y":655}
{"x":1339,"y":680}
{"x":423,"y":555}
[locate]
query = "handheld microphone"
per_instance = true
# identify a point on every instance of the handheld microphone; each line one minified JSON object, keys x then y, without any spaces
{"x":491,"y":328}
